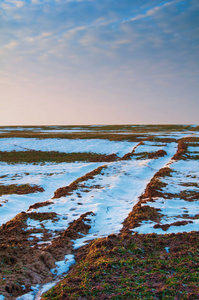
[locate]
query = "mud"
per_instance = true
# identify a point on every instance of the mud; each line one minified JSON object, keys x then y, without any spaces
{"x":24,"y":262}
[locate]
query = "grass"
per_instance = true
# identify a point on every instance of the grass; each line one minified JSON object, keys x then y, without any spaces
{"x":134,"y":267}
{"x":129,"y":127}
{"x":150,"y":155}
{"x":19,"y":189}
{"x":67,"y":190}
{"x":77,"y":135}
{"x":52,"y":156}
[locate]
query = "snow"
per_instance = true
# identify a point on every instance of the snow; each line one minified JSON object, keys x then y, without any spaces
{"x":176,"y":209}
{"x":110,"y":195}
{"x":66,"y":145}
{"x":38,"y":291}
{"x":147,"y":227}
{"x":28,"y":296}
{"x":49,"y":176}
{"x":64,"y":265}
{"x":152,"y":147}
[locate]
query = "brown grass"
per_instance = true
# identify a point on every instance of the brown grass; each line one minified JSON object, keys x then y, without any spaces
{"x":39,"y":204}
{"x":67,"y":190}
{"x":19,"y":189}
{"x":54,"y":156}
{"x":138,"y":214}
{"x":166,"y":226}
{"x":182,"y":149}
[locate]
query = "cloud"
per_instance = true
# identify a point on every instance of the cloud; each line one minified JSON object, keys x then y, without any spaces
{"x":128,"y":46}
{"x":11,"y":45}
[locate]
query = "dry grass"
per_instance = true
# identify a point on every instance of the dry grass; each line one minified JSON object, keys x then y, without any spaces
{"x":67,"y":190}
{"x":19,"y":189}
{"x":54,"y":157}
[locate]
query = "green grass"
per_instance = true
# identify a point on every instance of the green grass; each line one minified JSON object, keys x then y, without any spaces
{"x":134,"y":267}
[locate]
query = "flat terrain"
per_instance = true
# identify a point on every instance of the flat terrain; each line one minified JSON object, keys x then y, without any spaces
{"x":115,"y":207}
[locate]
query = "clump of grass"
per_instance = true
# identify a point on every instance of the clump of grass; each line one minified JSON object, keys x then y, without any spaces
{"x":67,"y":190}
{"x":182,"y":149}
{"x":39,"y":204}
{"x":19,"y":189}
{"x":140,"y":213}
{"x":150,"y":155}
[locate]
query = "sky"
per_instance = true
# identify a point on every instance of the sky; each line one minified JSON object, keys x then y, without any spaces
{"x":73,"y":62}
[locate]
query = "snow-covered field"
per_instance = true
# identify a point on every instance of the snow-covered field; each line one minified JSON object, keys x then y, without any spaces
{"x":110,"y":195}
{"x":66,"y":145}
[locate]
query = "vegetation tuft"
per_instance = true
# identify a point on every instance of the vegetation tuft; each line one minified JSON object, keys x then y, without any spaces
{"x":19,"y":189}
{"x":182,"y":149}
{"x":67,"y":190}
{"x":150,"y":155}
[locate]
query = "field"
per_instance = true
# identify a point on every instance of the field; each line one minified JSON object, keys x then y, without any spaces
{"x":116,"y":208}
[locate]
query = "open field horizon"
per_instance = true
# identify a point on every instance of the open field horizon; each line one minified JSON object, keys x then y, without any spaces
{"x":99,"y":149}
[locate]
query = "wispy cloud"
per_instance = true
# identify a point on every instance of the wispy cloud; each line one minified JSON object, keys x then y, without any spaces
{"x":120,"y":46}
{"x":152,"y":11}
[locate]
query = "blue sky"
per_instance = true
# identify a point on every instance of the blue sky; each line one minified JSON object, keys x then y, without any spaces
{"x":99,"y":62}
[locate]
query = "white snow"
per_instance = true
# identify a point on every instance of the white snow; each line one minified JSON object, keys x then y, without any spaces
{"x":64,"y":265}
{"x":110,"y":195}
{"x":66,"y":145}
{"x":185,"y":175}
{"x":49,"y":176}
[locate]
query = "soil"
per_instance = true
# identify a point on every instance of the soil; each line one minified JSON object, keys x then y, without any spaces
{"x":24,"y":262}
